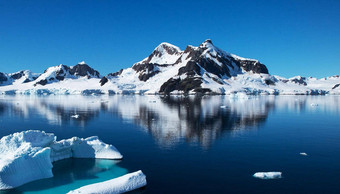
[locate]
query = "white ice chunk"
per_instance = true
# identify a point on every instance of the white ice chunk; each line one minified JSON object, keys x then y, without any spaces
{"x":314,"y":104}
{"x":90,"y":147}
{"x":303,"y":154}
{"x":23,"y":158}
{"x":76,"y":116}
{"x":93,"y":147}
{"x":28,"y":155}
{"x":223,"y":106}
{"x":268,"y":175}
{"x":121,"y":184}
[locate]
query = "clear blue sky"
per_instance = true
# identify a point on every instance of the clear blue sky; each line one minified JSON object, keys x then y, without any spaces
{"x":291,"y":37}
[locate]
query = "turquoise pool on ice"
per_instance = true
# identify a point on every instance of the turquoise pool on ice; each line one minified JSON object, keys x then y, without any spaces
{"x":70,"y":174}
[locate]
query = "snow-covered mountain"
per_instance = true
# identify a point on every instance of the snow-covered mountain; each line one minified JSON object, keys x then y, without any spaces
{"x":62,"y":72}
{"x":207,"y":69}
{"x":170,"y":70}
{"x":17,"y":78}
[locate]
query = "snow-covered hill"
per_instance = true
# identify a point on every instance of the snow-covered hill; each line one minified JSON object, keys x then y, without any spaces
{"x":170,"y":70}
{"x":62,"y":72}
{"x":19,"y":77}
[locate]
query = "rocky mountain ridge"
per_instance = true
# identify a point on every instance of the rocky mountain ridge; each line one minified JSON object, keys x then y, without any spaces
{"x":167,"y":70}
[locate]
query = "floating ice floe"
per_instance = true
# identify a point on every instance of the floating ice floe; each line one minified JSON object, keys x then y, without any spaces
{"x":314,"y":104}
{"x":121,"y":184}
{"x":76,"y":116}
{"x":223,"y":106}
{"x":303,"y":154}
{"x":268,"y":175}
{"x":28,"y":155}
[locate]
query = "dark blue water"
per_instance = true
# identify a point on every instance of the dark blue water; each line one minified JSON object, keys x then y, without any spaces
{"x":191,"y":145}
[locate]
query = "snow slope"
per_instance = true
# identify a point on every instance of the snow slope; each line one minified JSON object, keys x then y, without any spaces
{"x":28,"y":155}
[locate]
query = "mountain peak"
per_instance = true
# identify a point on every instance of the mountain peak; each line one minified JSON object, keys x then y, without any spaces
{"x":164,"y":53}
{"x":207,"y":43}
{"x":82,"y":63}
{"x":167,"y":47}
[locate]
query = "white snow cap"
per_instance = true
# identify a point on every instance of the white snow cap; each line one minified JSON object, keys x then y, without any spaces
{"x":268,"y":175}
{"x":121,"y":184}
{"x":161,"y":46}
{"x":207,"y":43}
{"x":82,"y":63}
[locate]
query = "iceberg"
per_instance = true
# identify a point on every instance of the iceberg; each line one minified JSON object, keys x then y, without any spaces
{"x":268,"y":175}
{"x":121,"y":184}
{"x":76,"y":116}
{"x":28,"y":156}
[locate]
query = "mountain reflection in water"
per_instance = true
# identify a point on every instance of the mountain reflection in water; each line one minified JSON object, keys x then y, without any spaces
{"x":168,"y":119}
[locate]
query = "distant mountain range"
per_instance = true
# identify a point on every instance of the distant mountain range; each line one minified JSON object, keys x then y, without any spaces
{"x":205,"y":69}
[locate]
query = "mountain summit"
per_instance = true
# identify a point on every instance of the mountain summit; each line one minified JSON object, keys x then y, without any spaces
{"x":170,"y":69}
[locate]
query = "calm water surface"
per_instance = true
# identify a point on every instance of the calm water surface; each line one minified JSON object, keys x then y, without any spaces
{"x":190,"y":144}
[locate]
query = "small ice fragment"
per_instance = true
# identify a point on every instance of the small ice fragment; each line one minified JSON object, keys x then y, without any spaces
{"x":268,"y":175}
{"x":76,"y":116}
{"x":314,"y":104}
{"x":303,"y":154}
{"x":223,"y":106}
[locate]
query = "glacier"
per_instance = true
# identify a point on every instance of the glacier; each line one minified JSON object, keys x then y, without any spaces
{"x":28,"y":156}
{"x":121,"y":184}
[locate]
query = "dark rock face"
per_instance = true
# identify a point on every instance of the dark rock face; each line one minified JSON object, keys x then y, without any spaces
{"x":3,"y":77}
{"x":144,"y":67}
{"x":115,"y":74}
{"x":146,"y":70}
{"x":61,"y":73}
{"x":41,"y":82}
{"x":336,"y":85}
{"x":146,"y":76}
{"x":84,"y":70}
{"x":28,"y":80}
{"x":301,"y":81}
{"x":269,"y":82}
{"x":17,"y":75}
{"x":185,"y":85}
{"x":103,"y":81}
{"x":253,"y":66}
{"x":190,"y":69}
